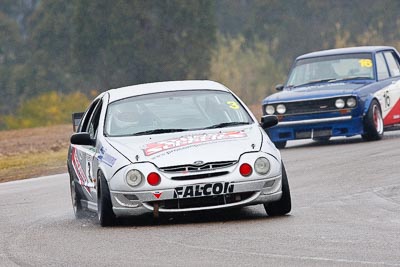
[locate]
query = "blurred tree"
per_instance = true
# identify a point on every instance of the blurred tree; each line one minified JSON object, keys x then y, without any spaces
{"x":10,"y":45}
{"x":50,"y":46}
{"x":252,"y":71}
{"x":19,"y":11}
{"x":127,"y":42}
{"x":10,"y":41}
{"x":83,"y":45}
{"x":88,"y":45}
{"x":301,"y":26}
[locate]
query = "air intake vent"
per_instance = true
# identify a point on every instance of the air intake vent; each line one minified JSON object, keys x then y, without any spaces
{"x":210,"y":166}
{"x":199,"y":176}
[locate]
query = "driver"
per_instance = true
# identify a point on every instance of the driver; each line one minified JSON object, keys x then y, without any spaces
{"x":125,"y":115}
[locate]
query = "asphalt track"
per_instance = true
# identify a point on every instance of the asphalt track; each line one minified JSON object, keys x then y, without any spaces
{"x":346,"y":212}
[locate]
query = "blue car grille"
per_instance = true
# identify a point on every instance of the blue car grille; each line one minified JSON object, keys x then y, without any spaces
{"x":311,"y":106}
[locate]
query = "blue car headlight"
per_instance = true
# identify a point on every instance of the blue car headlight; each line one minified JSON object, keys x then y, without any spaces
{"x":281,"y":109}
{"x":269,"y":109}
{"x":339,"y":103}
{"x":351,"y":102}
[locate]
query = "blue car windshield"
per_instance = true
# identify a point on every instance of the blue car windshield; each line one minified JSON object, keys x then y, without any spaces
{"x":331,"y":69}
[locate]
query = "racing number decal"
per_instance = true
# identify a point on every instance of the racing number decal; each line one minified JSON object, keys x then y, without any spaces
{"x":387,"y":99}
{"x":365,"y":63}
{"x":233,"y":104}
{"x":390,"y":103}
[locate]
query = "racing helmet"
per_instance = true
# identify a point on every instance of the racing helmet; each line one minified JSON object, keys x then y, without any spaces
{"x":125,"y":115}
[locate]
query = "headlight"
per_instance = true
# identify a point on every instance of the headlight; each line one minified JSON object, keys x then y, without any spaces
{"x":134,"y":177}
{"x":270,"y":110}
{"x":281,"y":108}
{"x":339,"y":103}
{"x":262,"y":166}
{"x":351,"y":102}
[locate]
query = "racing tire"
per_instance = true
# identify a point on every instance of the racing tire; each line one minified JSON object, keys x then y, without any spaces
{"x":280,"y":145}
{"x":373,"y":123}
{"x":76,"y":197}
{"x":105,"y":212}
{"x":284,"y":205}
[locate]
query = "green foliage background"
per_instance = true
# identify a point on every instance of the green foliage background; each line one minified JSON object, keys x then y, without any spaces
{"x":49,"y":50}
{"x":47,"y":109}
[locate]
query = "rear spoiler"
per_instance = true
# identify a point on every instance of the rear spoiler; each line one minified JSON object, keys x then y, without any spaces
{"x":76,"y":119}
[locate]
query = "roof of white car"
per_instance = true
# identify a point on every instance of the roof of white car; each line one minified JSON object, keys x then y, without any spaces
{"x":150,"y":88}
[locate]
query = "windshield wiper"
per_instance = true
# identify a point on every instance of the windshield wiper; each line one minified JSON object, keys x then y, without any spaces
{"x":159,"y":131}
{"x":352,"y":78}
{"x":226,"y":124}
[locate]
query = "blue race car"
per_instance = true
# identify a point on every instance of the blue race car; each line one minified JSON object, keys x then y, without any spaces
{"x":338,"y":92}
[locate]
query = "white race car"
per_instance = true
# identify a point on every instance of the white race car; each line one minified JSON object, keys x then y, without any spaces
{"x":173,"y":147}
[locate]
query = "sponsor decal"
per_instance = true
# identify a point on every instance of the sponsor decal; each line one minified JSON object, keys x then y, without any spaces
{"x":157,"y":194}
{"x":188,"y":140}
{"x":79,"y":170}
{"x":202,"y":190}
{"x":322,"y":86}
{"x":105,"y":157}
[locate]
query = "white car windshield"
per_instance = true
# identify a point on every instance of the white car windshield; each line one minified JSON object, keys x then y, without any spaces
{"x":331,"y":69}
{"x":173,"y":112}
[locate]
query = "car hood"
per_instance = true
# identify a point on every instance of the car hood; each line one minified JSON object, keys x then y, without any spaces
{"x":315,"y":91}
{"x":171,"y":149}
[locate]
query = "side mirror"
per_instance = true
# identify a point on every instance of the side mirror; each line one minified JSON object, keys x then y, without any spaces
{"x":76,"y":119}
{"x":82,"y":139}
{"x":279,"y":87}
{"x":269,"y":121}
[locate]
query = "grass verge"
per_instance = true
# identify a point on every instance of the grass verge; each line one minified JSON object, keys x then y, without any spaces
{"x":28,"y":165}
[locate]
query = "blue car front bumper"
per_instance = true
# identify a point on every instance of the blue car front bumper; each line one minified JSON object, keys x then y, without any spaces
{"x":316,"y":127}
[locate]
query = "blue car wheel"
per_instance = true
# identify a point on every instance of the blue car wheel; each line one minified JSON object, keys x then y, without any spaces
{"x":373,"y":123}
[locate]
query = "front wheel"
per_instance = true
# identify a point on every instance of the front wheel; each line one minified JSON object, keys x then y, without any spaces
{"x":373,"y":123}
{"x":284,"y":205}
{"x":105,"y":213}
